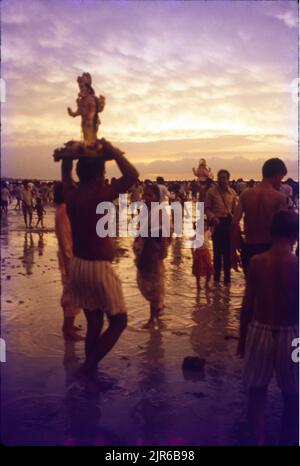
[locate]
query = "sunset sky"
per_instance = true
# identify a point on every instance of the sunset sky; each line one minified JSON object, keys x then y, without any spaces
{"x":182,"y":80}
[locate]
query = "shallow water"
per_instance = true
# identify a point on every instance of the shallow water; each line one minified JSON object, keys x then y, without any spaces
{"x":150,"y":401}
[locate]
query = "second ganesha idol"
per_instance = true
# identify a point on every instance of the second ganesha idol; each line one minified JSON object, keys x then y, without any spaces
{"x":88,"y":107}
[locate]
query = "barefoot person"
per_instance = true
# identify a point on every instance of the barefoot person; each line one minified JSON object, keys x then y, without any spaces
{"x":27,"y":203}
{"x":40,"y":211}
{"x":150,"y":254}
{"x":64,"y":238}
{"x":220,"y":202}
{"x":258,"y":205}
{"x":95,"y":286}
{"x":17,"y":194}
{"x":270,"y":313}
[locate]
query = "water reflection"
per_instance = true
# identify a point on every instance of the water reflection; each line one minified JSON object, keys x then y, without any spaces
{"x":203,"y":297}
{"x":41,"y":244}
{"x":28,"y":253}
{"x":176,"y":253}
{"x":82,"y":412}
{"x":151,"y":412}
{"x":211,"y":314}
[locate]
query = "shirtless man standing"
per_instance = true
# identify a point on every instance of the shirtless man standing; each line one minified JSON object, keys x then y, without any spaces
{"x":270,"y":321}
{"x":94,"y":285}
{"x":258,"y":205}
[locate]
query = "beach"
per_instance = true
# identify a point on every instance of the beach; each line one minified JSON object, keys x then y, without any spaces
{"x":146,"y":397}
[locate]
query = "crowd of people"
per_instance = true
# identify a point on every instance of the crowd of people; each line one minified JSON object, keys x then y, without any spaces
{"x":27,"y":196}
{"x":24,"y":195}
{"x":251,"y":224}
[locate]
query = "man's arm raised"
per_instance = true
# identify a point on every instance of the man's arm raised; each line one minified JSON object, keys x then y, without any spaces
{"x":129,"y":172}
{"x":66,"y":171}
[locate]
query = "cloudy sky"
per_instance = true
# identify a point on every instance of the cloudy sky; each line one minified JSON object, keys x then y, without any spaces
{"x":182,"y":80}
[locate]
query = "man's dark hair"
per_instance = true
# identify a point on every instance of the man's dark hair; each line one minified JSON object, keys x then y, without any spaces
{"x":273,"y":167}
{"x":155,"y":189}
{"x":88,"y":168}
{"x":147,"y":182}
{"x":160,"y":180}
{"x":223,"y":170}
{"x":58,"y":193}
{"x":285,"y":224}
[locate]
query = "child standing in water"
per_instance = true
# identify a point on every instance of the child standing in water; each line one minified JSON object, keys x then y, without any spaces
{"x":40,"y":212}
{"x":202,"y":266}
{"x":150,"y":254}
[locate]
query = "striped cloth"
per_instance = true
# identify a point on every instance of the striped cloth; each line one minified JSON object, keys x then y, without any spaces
{"x":66,"y":301}
{"x":95,"y":285}
{"x":269,"y":349}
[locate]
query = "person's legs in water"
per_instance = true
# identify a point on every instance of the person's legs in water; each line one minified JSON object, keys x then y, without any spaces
{"x":226,"y":256}
{"x":198,"y":283}
{"x":69,"y":329}
{"x":257,"y":399}
{"x":18,"y":204}
{"x":153,"y":316}
{"x":217,"y":255}
{"x":207,"y":280}
{"x":70,"y":311}
{"x":155,"y":312}
{"x":5,"y":209}
{"x":97,"y":345}
{"x":30,"y":216}
{"x":24,"y":209}
{"x":95,"y":320}
{"x":290,"y":420}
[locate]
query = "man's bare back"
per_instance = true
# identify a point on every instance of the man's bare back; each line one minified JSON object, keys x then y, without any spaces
{"x":273,"y":283}
{"x":259,"y":204}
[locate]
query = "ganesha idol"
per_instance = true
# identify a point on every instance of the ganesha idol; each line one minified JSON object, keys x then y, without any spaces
{"x":88,"y":107}
{"x":203,"y":172}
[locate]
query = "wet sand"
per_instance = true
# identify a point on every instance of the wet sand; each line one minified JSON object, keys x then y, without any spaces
{"x":148,"y":401}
